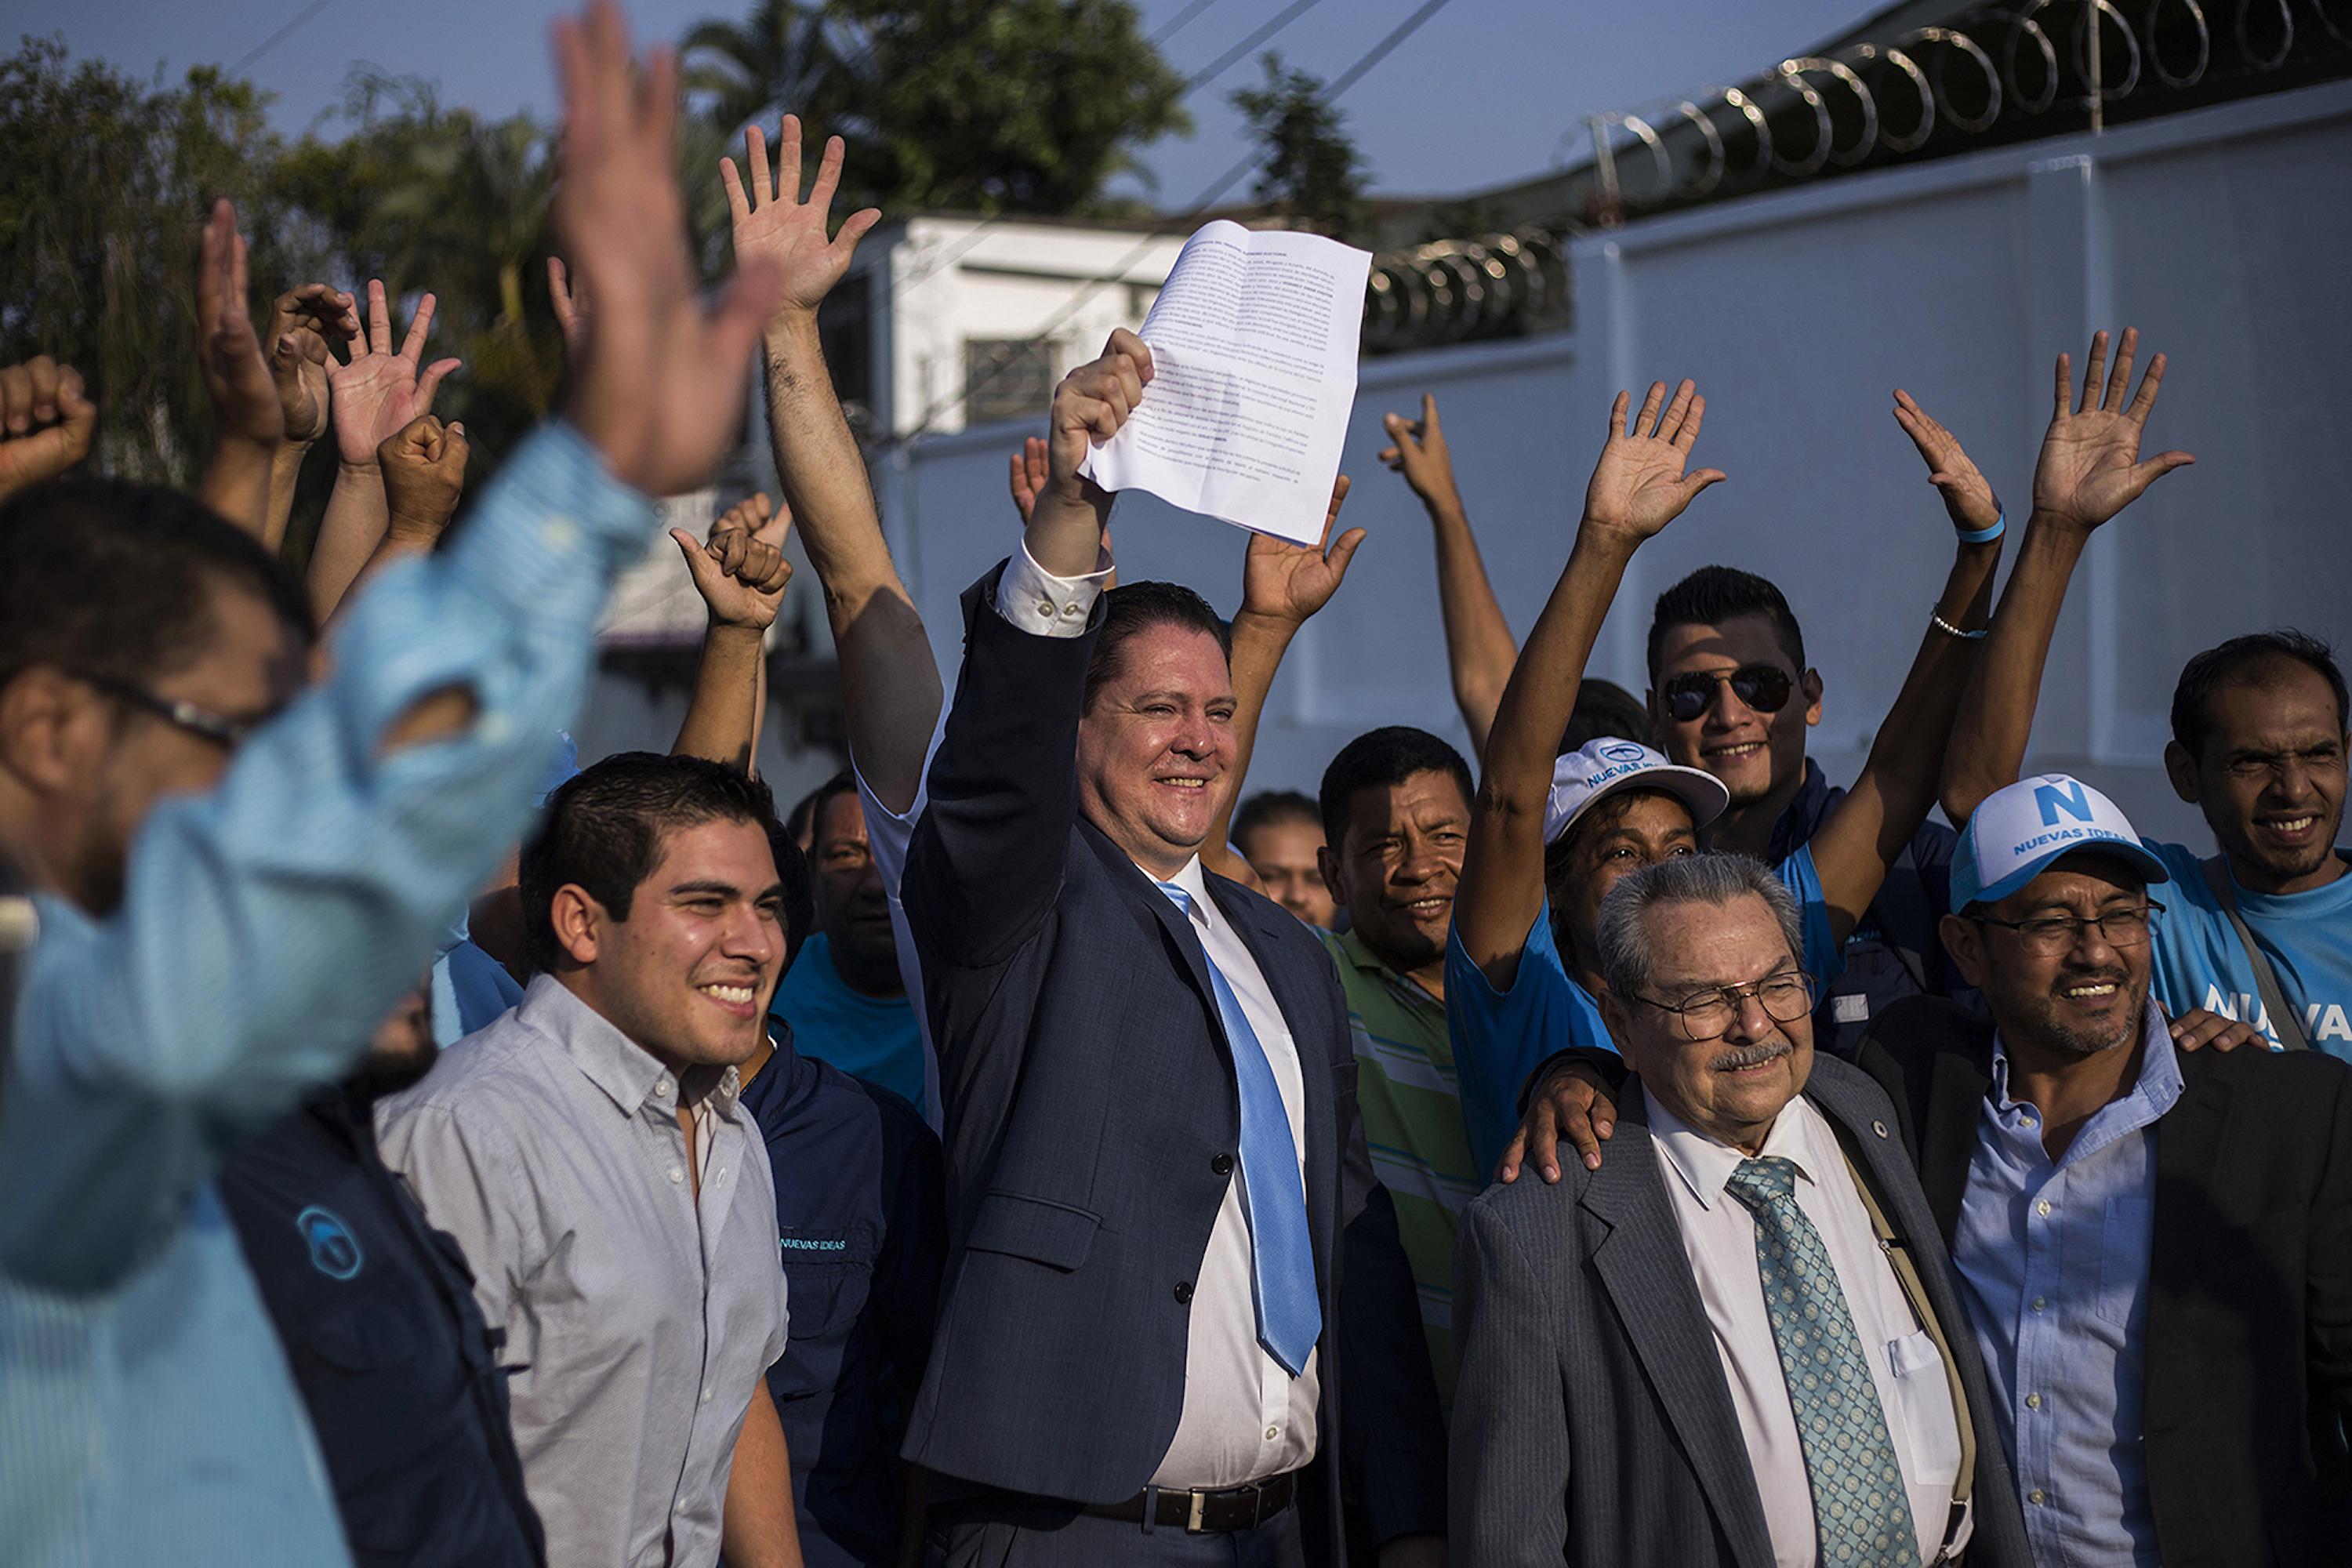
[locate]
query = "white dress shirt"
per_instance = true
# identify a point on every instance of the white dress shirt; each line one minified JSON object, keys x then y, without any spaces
{"x":1244,"y":1417}
{"x":1719,"y":1239}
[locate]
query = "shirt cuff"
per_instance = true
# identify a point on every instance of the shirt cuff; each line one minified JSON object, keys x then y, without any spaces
{"x":1038,"y":602}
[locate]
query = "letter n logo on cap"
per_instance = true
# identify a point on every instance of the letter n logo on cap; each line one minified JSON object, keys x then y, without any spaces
{"x":2054,"y":800}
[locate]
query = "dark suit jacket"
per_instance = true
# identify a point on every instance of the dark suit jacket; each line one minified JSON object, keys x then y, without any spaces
{"x":1591,"y":1420}
{"x":1091,"y":1122}
{"x":2249,"y":1362}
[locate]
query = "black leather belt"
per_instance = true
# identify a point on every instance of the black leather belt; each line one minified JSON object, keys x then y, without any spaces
{"x":1200,"y":1511}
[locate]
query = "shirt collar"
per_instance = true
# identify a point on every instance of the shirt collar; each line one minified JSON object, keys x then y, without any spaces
{"x":2154,"y":1091}
{"x":608,"y":1059}
{"x":1195,"y":883}
{"x":1705,"y":1166}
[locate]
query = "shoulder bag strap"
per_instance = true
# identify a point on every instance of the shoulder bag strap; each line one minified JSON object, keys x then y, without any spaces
{"x":2283,"y":1020}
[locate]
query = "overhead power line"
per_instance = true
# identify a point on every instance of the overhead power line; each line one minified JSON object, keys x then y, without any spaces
{"x":1185,"y":220}
{"x":1193,"y":83}
{"x":280,"y":36}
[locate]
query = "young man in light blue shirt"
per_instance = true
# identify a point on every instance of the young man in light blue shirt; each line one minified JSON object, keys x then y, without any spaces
{"x":224,"y":920}
{"x":2259,"y":746}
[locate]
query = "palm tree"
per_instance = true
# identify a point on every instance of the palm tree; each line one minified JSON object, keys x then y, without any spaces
{"x":788,"y":57}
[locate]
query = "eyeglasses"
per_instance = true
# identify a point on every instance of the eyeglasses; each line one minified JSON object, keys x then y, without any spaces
{"x":222,"y":732}
{"x":2054,"y":934}
{"x":1707,"y":1014}
{"x":1762,"y":687}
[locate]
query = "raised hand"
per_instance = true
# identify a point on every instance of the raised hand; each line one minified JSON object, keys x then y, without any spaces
{"x":380,"y":393}
{"x":424,"y":466}
{"x":244,"y":396}
{"x":1287,"y":581}
{"x":571,"y":303}
{"x":2090,"y":467}
{"x":1029,"y":476}
{"x":46,"y":422}
{"x":742,"y":571}
{"x":1640,"y":486}
{"x":1419,"y":452}
{"x":1093,"y":402}
{"x":1967,"y":495}
{"x":770,"y":219}
{"x":303,"y":323}
{"x":660,"y":384}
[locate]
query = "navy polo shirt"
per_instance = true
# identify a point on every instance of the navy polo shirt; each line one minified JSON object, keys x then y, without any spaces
{"x":862,"y":1222}
{"x":1895,"y":950}
{"x":376,"y":1312}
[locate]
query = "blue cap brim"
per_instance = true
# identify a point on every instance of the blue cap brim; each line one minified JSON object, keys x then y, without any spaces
{"x":2120,"y":849}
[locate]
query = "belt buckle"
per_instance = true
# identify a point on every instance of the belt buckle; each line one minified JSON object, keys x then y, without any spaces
{"x":1196,"y":1522}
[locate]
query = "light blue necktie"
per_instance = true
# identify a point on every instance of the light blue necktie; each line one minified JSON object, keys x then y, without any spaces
{"x":1289,"y":1314}
{"x":1862,"y":1515}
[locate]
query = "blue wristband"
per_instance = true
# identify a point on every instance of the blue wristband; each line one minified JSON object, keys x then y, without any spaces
{"x":1986,"y":535}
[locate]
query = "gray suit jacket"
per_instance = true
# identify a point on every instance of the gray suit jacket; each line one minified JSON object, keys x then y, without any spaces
{"x":1591,"y":1421}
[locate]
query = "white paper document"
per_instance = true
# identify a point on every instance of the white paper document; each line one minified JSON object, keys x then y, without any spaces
{"x":1253,"y":341}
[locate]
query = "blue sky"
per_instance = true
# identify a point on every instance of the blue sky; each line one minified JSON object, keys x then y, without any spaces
{"x":1482,"y":94}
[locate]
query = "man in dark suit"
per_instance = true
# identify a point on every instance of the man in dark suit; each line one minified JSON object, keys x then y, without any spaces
{"x":2155,"y":1245}
{"x":1722,"y":1346}
{"x":1156,"y":1170}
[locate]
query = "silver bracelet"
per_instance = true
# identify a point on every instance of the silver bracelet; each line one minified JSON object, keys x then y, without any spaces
{"x":1941,"y":624}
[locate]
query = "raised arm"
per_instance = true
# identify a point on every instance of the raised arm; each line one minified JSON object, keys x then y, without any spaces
{"x":1283,"y":584}
{"x":266,"y":927}
{"x":986,"y":859}
{"x":249,"y":422}
{"x":1896,"y":788}
{"x":1639,"y":485}
{"x":422,"y":469}
{"x":740,"y":574}
{"x":1030,"y":471}
{"x":2090,"y":469}
{"x":1479,"y":650}
{"x":47,"y":422}
{"x":374,"y":397}
{"x":303,"y":323}
{"x":891,"y":681}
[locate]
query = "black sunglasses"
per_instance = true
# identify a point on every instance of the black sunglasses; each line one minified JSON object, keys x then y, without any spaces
{"x":1762,"y":687}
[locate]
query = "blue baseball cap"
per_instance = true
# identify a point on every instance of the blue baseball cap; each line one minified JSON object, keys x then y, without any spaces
{"x":2022,"y":829}
{"x":1602,"y":768}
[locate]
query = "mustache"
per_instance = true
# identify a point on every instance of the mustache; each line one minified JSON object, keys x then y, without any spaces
{"x":1752,"y":1054}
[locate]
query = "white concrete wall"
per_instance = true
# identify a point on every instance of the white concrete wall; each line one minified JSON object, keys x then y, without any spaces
{"x":2224,"y":235}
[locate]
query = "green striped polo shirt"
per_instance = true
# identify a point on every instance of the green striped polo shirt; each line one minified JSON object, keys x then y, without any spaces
{"x":1412,"y":1107}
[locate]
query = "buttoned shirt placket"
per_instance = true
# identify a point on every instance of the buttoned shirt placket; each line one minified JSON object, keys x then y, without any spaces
{"x":2066,"y":1218}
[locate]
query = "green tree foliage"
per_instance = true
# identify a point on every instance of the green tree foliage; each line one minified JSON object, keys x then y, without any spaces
{"x":965,"y":105}
{"x":104,"y":186}
{"x":1311,"y":175}
{"x":975,"y":105}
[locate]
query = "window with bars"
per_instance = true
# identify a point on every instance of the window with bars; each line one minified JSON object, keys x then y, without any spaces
{"x":1006,"y":378}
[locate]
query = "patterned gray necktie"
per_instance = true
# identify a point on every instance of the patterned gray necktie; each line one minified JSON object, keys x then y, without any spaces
{"x":1862,"y":1515}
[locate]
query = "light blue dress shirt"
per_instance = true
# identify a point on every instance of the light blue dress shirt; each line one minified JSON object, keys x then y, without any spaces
{"x":2053,"y":1267}
{"x":146,"y":1415}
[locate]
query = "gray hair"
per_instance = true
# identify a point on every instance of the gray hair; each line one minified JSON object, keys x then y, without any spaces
{"x":1711,"y":879}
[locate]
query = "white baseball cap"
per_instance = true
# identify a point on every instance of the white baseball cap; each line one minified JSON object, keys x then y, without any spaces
{"x":1611,"y":764}
{"x":2022,"y":827}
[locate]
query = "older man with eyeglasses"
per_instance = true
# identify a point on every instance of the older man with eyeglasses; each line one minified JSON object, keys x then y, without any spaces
{"x":2154,"y":1245}
{"x":1736,"y":1341}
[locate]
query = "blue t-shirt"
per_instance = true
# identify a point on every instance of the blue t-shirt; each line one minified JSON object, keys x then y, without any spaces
{"x":1501,"y":1036}
{"x":2306,"y":937}
{"x":877,"y":1038}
